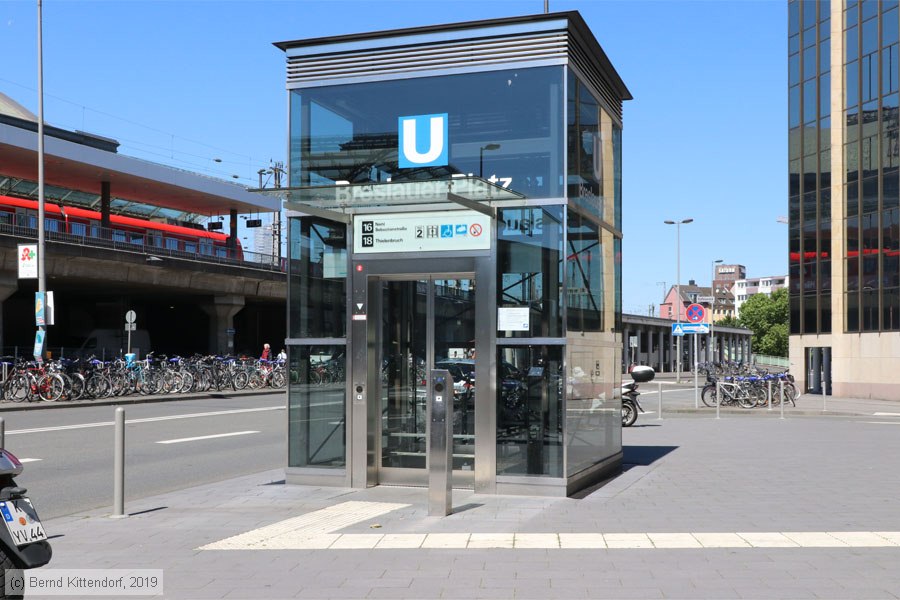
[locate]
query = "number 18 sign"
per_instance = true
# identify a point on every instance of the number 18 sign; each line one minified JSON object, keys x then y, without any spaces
{"x":28,"y":263}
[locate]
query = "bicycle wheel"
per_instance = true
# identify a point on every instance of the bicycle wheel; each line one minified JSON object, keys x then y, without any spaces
{"x":18,"y":388}
{"x":51,"y":387}
{"x":240,"y":380}
{"x":278,"y":379}
{"x":708,"y":395}
{"x":746,"y":398}
{"x":98,"y":386}
{"x":77,"y":390}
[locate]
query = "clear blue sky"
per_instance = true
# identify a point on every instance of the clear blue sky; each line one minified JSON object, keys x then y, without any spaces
{"x":185,"y":82}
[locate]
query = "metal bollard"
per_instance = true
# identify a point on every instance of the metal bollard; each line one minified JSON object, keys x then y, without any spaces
{"x":718,"y":398}
{"x":659,"y":395}
{"x":2,"y":433}
{"x":769,"y":395}
{"x":824,"y":397}
{"x":119,"y":466}
{"x":781,"y":386}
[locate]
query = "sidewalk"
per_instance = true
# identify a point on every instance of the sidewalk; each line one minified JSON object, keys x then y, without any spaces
{"x":739,"y":507}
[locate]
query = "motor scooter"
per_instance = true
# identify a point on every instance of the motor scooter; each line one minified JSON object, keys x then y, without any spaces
{"x":23,"y":541}
{"x":630,"y":403}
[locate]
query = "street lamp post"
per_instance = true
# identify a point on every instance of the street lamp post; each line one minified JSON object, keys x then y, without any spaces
{"x":679,"y":302}
{"x":712,"y":312}
{"x":481,"y":156}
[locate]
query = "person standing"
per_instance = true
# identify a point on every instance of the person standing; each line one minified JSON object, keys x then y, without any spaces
{"x":266,"y":352}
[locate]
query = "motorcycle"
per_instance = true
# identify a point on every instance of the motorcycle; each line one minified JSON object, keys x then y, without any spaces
{"x":23,"y":541}
{"x":630,"y":403}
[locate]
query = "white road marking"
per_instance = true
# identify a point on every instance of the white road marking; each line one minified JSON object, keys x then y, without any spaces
{"x":145,"y":420}
{"x":886,"y":414}
{"x":317,"y":530}
{"x":882,"y":422}
{"x":206,"y":437}
{"x":28,"y":460}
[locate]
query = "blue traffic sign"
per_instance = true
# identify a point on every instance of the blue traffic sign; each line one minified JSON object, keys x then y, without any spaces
{"x":679,"y":329}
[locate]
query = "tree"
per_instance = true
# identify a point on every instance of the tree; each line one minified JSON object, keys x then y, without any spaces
{"x":767,"y":317}
{"x":728,"y":321}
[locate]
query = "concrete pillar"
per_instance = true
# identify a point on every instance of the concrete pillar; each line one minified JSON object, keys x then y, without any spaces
{"x":8,"y":286}
{"x":221,"y":322}
{"x":660,"y":351}
{"x":104,"y":204}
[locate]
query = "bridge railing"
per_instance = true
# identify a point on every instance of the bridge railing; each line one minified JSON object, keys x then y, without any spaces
{"x":149,"y":245}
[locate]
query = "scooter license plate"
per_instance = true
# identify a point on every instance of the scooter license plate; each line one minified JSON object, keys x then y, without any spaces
{"x":22,"y":521}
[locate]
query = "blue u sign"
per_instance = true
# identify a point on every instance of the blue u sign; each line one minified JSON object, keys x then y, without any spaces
{"x":423,"y":141}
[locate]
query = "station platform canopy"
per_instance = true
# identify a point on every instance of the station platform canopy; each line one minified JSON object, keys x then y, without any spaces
{"x":340,"y":202}
{"x":77,"y":163}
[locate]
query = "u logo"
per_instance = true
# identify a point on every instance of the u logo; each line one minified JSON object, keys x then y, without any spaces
{"x":425,"y":132}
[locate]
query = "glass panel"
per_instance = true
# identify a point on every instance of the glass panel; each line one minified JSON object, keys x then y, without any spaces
{"x":890,"y":309}
{"x":889,"y":65}
{"x":454,"y":350}
{"x":809,"y":314}
{"x":794,"y":17}
{"x":870,"y":320}
{"x":317,"y":435}
{"x":809,"y":13}
{"x":810,"y":101}
{"x":317,"y":276}
{"x":825,"y":313}
{"x":584,"y":275}
{"x":824,"y":96}
{"x":794,"y":69}
{"x":795,"y":312}
{"x":403,"y":374}
{"x":529,"y":269}
{"x":794,"y":106}
{"x":889,"y":24}
{"x":588,"y":152}
{"x":824,"y":56}
{"x":851,"y":301}
{"x":809,"y":63}
{"x":529,"y":410}
{"x":869,"y":36}
{"x":503,"y":125}
{"x":851,"y":45}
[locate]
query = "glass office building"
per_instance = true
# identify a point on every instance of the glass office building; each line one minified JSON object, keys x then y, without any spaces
{"x":844,"y":196}
{"x":455,"y":203}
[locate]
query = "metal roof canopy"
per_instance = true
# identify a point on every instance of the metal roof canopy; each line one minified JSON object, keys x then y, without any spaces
{"x":83,"y":168}
{"x":340,"y":202}
{"x":373,"y":40}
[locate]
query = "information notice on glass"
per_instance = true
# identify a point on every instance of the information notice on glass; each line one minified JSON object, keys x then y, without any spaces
{"x":515,"y":318}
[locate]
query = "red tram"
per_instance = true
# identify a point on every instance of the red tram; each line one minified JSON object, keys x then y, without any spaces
{"x":140,"y":232}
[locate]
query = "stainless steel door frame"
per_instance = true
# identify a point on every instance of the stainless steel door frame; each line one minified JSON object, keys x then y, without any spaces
{"x":394,"y":475}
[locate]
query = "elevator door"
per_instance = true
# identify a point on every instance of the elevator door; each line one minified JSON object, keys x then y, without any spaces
{"x":426,"y":323}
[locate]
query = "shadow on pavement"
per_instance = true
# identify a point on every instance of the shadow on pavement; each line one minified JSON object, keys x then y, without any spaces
{"x":643,"y":455}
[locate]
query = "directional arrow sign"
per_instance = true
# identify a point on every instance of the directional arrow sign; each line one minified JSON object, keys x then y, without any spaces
{"x":689,"y":328}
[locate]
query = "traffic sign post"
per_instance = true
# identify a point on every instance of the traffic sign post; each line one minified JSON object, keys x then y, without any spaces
{"x":130,"y":318}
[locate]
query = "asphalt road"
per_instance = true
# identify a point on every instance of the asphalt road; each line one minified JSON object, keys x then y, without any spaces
{"x":68,"y":453}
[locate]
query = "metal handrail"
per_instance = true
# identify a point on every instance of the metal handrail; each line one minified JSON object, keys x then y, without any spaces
{"x":146,"y":244}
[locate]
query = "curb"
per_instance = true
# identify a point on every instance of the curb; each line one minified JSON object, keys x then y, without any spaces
{"x":6,"y":406}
